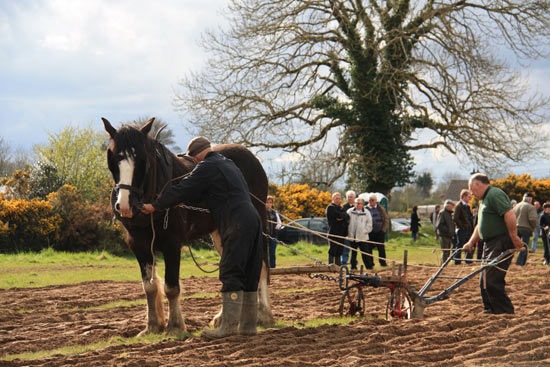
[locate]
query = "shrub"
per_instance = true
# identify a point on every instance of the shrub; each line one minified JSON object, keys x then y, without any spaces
{"x":27,"y":225}
{"x":300,"y":201}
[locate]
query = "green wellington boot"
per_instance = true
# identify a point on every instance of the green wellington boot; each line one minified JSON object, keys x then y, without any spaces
{"x":231,"y":315}
{"x":249,"y":314}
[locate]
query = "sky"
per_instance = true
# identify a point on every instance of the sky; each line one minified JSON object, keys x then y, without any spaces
{"x":71,"y":62}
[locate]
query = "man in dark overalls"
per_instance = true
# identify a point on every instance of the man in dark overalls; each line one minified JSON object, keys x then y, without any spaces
{"x":497,"y":227}
{"x":219,"y":183}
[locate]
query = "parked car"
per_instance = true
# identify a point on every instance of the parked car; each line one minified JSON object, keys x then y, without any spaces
{"x":400,"y":225}
{"x":293,"y":232}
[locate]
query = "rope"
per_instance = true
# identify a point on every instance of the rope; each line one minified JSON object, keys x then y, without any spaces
{"x":317,"y":261}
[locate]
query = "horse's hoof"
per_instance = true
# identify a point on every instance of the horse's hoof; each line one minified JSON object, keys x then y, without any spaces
{"x":176,"y":330}
{"x":151,"y":330}
{"x":266,"y":319}
{"x":216,"y":321}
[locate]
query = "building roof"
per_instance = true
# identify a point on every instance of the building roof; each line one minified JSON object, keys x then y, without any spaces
{"x":453,"y":191}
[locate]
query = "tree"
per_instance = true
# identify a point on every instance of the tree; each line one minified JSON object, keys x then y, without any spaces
{"x":425,"y":183}
{"x":166,"y":136}
{"x":11,"y":160}
{"x":43,"y":180}
{"x":78,"y":157}
{"x":371,"y":78}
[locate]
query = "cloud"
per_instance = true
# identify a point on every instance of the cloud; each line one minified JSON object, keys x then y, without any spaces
{"x":64,"y":61}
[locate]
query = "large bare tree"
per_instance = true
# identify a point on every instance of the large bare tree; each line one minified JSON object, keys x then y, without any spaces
{"x":369,"y":77}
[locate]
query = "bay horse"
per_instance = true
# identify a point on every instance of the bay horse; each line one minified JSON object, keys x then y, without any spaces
{"x":141,"y":168}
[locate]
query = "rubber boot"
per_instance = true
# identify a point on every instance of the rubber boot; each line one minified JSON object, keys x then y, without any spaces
{"x":249,"y":314}
{"x":231,"y":315}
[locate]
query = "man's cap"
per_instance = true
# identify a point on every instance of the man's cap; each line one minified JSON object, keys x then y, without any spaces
{"x":447,"y":202}
{"x":197,"y":145}
{"x":528,"y":195}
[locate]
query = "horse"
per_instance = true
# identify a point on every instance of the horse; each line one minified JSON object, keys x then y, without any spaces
{"x":142,"y":168}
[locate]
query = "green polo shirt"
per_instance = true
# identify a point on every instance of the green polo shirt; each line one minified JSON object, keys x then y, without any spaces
{"x":494,"y":204}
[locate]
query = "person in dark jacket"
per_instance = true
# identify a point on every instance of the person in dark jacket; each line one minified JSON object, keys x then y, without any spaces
{"x":464,"y":222}
{"x":445,"y":229}
{"x":545,"y":226}
{"x":219,"y":183}
{"x":415,"y":222}
{"x":338,"y":228}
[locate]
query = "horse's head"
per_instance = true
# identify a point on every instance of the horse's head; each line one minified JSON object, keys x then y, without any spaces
{"x":129,"y":163}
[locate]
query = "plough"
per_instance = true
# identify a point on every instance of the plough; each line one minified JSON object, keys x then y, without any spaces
{"x":404,"y":301}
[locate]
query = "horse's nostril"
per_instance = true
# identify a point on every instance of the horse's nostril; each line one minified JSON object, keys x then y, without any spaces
{"x":117,"y":206}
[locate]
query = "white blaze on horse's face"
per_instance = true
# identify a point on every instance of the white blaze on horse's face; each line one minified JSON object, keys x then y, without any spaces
{"x":126,"y":168}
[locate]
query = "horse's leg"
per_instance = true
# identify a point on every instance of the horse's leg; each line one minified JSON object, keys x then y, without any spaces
{"x":217,"y":240}
{"x":152,"y":286}
{"x":172,"y":289}
{"x":265,"y":316}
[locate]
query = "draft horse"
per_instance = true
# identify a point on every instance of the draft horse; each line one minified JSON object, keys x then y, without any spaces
{"x":142,"y":167}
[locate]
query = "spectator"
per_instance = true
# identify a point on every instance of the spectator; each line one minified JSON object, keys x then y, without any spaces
{"x":415,"y":222}
{"x":463,"y":219}
{"x":545,"y":226}
{"x":380,"y":222}
{"x":350,"y":197}
{"x":527,"y":219}
{"x":273,"y":226}
{"x":433,"y":219}
{"x":497,"y":226}
{"x":445,"y":227}
{"x":536,"y":234}
{"x":338,"y":228}
{"x":360,"y":225}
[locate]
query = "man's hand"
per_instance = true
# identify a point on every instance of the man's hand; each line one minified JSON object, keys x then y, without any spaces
{"x":147,"y":209}
{"x":520,"y":246}
{"x":468,"y":246}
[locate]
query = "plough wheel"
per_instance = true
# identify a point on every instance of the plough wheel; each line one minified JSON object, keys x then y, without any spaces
{"x":352,"y":302}
{"x":399,"y":305}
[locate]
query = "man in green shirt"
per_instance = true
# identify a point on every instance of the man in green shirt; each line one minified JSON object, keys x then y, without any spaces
{"x":497,"y":227}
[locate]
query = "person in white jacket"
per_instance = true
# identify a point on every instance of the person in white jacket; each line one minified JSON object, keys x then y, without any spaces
{"x":360,"y":225}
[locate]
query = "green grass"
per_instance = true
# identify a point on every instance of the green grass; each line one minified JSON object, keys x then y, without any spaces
{"x":26,"y":270}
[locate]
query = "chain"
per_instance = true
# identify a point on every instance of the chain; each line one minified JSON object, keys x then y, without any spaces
{"x":204,"y":210}
{"x":323,"y":277}
{"x":293,"y":249}
{"x":204,"y":242}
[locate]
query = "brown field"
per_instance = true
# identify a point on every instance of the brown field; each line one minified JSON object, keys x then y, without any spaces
{"x":454,"y":332}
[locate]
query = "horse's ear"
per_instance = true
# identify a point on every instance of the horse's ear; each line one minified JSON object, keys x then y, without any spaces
{"x":109,"y":128}
{"x":148,"y":125}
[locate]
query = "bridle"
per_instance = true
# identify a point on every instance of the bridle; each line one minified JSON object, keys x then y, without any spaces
{"x":139,"y":191}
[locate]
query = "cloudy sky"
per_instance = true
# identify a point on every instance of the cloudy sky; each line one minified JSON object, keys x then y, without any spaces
{"x":74,"y":61}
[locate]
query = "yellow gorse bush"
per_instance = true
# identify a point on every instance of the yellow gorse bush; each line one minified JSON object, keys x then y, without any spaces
{"x":515,"y":186}
{"x":300,"y":201}
{"x":27,"y":225}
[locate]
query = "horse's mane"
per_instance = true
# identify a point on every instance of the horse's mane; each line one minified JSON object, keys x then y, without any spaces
{"x":129,"y":136}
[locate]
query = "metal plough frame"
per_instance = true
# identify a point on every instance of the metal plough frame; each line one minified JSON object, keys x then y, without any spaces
{"x":404,"y":301}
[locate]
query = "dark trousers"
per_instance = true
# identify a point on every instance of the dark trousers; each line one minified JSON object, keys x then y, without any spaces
{"x":545,"y":245}
{"x":272,"y":252}
{"x":379,"y":237}
{"x":363,"y":247}
{"x":335,"y":250}
{"x":492,"y":283}
{"x":479,"y":254}
{"x":524,"y":234}
{"x":462,"y":236}
{"x":243,"y":248}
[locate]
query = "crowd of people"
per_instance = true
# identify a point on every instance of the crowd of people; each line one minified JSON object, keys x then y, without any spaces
{"x":359,"y":226}
{"x":497,"y":225}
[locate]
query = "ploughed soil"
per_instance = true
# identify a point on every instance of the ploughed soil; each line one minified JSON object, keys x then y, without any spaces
{"x":454,"y":332}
